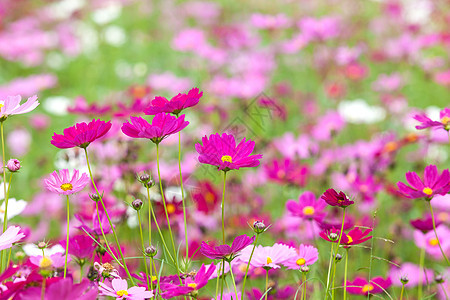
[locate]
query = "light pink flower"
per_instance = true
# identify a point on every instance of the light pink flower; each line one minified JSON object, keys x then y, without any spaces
{"x":11,"y":105}
{"x":307,"y":255}
{"x":63,"y":184}
{"x":119,"y":289}
{"x":429,"y":242}
{"x":268,"y":257}
{"x":10,"y":236}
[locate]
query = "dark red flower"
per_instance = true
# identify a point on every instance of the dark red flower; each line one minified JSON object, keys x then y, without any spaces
{"x":334,"y":199}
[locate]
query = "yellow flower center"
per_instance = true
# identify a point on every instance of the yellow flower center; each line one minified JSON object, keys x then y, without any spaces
{"x":45,"y":262}
{"x":427,"y":191}
{"x":445,"y":120}
{"x":349,"y":239}
{"x":154,"y":278}
{"x":1,"y":105}
{"x":308,"y":210}
{"x":269,"y":260}
{"x":192,"y":285}
{"x":171,"y":208}
{"x":367,"y":288}
{"x":122,"y":293}
{"x":281,"y":173}
{"x":227,"y":158}
{"x":209,"y":197}
{"x":433,"y":242}
{"x":301,"y":261}
{"x":66,"y":186}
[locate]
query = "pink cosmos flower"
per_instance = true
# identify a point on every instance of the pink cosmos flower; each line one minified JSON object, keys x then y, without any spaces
{"x":307,"y":255}
{"x":224,"y":251}
{"x":287,"y":171}
{"x":307,"y":207}
{"x":11,"y":106}
{"x":268,"y":257}
{"x":63,"y":184}
{"x":270,"y":21}
{"x":174,"y":105}
{"x":81,"y":134}
{"x":430,"y":243}
{"x":361,"y":286}
{"x":353,"y":237}
{"x":412,"y":272}
{"x":80,"y":246}
{"x":119,"y":289}
{"x":221,"y":151}
{"x":426,"y":122}
{"x":432,"y":184}
{"x":56,"y":260}
{"x":162,"y":126}
{"x":10,"y":236}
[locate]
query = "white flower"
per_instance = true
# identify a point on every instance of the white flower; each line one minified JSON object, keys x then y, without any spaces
{"x":57,"y":105}
{"x":359,"y":112}
{"x":15,"y":207}
{"x":33,"y":250}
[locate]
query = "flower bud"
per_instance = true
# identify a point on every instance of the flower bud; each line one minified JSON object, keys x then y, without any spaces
{"x":304,"y":269}
{"x":146,"y":180}
{"x":19,"y":255}
{"x":137,"y":204}
{"x":333,"y":236}
{"x":338,"y":257}
{"x":42,"y":245}
{"x":439,"y":278}
{"x":404,"y":279}
{"x":94,"y":197}
{"x":150,"y":251}
{"x":259,"y":227}
{"x":13,"y":165}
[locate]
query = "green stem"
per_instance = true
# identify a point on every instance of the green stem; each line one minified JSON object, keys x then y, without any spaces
{"x":5,"y":218}
{"x":166,"y":212}
{"x":267,"y":283}
{"x":182,"y":199}
{"x":6,"y":221}
{"x":401,"y":293}
{"x":234,"y":281}
{"x":304,"y":286}
{"x":248,"y":265}
{"x":43,"y":288}
{"x":337,"y":250}
{"x":104,"y":236}
{"x":223,"y":205}
{"x":223,"y":278}
{"x":149,"y":284}
{"x":109,"y":219}
{"x":329,"y":271}
{"x":421,"y":271}
{"x":67,"y":238}
{"x":435,"y":233}
{"x":345,"y":274}
{"x":217,"y":283}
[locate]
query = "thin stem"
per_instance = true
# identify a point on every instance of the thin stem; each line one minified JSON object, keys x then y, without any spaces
{"x":104,"y":236}
{"x":435,"y":233}
{"x":421,"y":271}
{"x":166,"y":212}
{"x":182,"y":199}
{"x":267,"y":283}
{"x":109,"y":219}
{"x":43,"y":288}
{"x":401,"y":293}
{"x":157,"y":225}
{"x":337,"y":250}
{"x":223,"y":205}
{"x":5,"y":218}
{"x":371,"y":252}
{"x":223,"y":278}
{"x":217,"y":282}
{"x":67,"y":238}
{"x":6,"y":221}
{"x":329,"y":271}
{"x":445,"y":292}
{"x":234,"y":282}
{"x":304,"y":286}
{"x":149,"y":284}
{"x":248,"y":264}
{"x":345,"y":274}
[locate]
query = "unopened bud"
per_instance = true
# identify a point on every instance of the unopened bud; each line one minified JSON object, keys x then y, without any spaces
{"x":151,"y":251}
{"x":338,"y":257}
{"x":13,"y":165}
{"x":259,"y":226}
{"x":333,"y":236}
{"x":19,"y":255}
{"x":42,"y":245}
{"x":94,"y":197}
{"x":304,"y":269}
{"x":137,"y":204}
{"x":439,"y":278}
{"x":404,"y":279}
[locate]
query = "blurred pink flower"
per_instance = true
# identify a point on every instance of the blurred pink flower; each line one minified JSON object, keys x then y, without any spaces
{"x":10,"y":236}
{"x":11,"y":106}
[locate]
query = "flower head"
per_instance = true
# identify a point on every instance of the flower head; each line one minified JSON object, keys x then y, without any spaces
{"x":361,"y":286}
{"x":334,"y":199}
{"x":426,"y":122}
{"x":221,"y":151}
{"x":353,"y":237}
{"x":224,"y":251}
{"x":268,"y":257}
{"x":10,"y":236}
{"x":13,"y":165}
{"x":161,"y":127}
{"x":174,"y":105}
{"x":11,"y":106}
{"x":119,"y":289}
{"x":431,"y":185}
{"x":307,"y":255}
{"x":307,"y":207}
{"x":63,"y":184}
{"x":81,"y":134}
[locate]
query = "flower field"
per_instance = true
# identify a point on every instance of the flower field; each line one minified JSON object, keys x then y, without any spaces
{"x":225,"y":150}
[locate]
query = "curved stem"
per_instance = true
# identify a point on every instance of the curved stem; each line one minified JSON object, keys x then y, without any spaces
{"x":149,"y":284}
{"x":248,"y":265}
{"x":223,"y":205}
{"x":267,"y":283}
{"x":435,"y":233}
{"x":421,"y":271}
{"x":175,"y":258}
{"x":109,"y":219}
{"x":182,"y":199}
{"x":67,"y":238}
{"x":345,"y":274}
{"x":234,"y":281}
{"x":337,"y":250}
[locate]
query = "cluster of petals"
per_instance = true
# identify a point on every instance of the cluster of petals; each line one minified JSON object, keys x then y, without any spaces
{"x":81,"y":134}
{"x":307,"y":207}
{"x":174,"y":105}
{"x":64,"y":184}
{"x":119,"y":289}
{"x":426,"y":122}
{"x":11,"y":106}
{"x":432,"y":184}
{"x":353,"y":237}
{"x":224,"y":251}
{"x":334,"y":198}
{"x":360,"y":286}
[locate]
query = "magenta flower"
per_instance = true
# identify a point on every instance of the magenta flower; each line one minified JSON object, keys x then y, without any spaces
{"x":353,"y":237}
{"x":307,"y":207}
{"x":224,"y":251}
{"x":119,"y":289}
{"x":161,"y":127}
{"x":426,"y":122}
{"x":221,"y":151}
{"x":425,"y":224}
{"x":307,"y":255}
{"x":361,"y":286}
{"x":433,"y":184}
{"x":11,"y":106}
{"x":271,"y":257}
{"x":10,"y":236}
{"x":64,"y":184}
{"x":81,"y":134}
{"x":287,"y":171}
{"x":334,"y":199}
{"x":174,"y":105}
{"x":80,"y":246}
